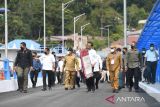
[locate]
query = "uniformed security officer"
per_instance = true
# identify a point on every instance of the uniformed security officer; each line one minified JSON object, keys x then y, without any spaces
{"x":114,"y":63}
{"x":69,"y":67}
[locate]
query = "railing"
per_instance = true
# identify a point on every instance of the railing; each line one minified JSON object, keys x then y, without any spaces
{"x":6,"y":69}
{"x":7,"y":72}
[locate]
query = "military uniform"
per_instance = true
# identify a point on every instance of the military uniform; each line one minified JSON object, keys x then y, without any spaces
{"x":114,"y":62}
{"x":70,"y":65}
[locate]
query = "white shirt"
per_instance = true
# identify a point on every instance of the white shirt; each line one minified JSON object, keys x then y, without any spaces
{"x":47,"y":61}
{"x":92,"y":56}
{"x":151,"y":55}
{"x":60,"y":66}
{"x":98,"y":64}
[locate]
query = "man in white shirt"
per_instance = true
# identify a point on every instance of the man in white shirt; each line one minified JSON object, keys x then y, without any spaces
{"x":60,"y":70}
{"x":151,"y":59}
{"x":48,"y":66}
{"x":92,"y":56}
{"x":97,"y":69}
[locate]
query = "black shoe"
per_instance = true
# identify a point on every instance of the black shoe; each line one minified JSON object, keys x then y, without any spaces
{"x":130,"y":89}
{"x":73,"y":88}
{"x":43,"y":89}
{"x":18,"y":89}
{"x":113,"y":91}
{"x":153,"y":82}
{"x":78,"y":85}
{"x":88,"y":90}
{"x":93,"y":90}
{"x":116,"y":91}
{"x":101,"y":81}
{"x":50,"y":88}
{"x":119,"y":88}
{"x":123,"y":86}
{"x":66,"y":88}
{"x":137,"y":90}
{"x":97,"y":87}
{"x":25,"y":91}
{"x":21,"y":90}
{"x":109,"y":82}
{"x":34,"y":86}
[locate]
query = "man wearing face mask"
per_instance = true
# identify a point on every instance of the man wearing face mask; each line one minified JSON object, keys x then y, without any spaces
{"x":23,"y":64}
{"x":36,"y":69}
{"x":133,"y":64}
{"x":151,"y":58}
{"x":114,"y":65}
{"x":143,"y":69}
{"x":92,"y":56}
{"x":48,"y":67}
{"x":70,"y":66}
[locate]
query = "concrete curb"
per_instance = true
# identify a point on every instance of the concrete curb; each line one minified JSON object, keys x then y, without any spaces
{"x":152,"y":90}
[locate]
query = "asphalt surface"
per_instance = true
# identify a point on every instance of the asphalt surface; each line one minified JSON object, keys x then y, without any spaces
{"x":58,"y":97}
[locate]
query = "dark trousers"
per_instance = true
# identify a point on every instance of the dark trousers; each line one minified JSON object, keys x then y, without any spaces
{"x":133,"y":72}
{"x":127,"y":78}
{"x":77,"y":81}
{"x":59,"y":77}
{"x":34,"y":76}
{"x":90,"y":84}
{"x":22,"y":74}
{"x":82,"y":78}
{"x":151,"y":69}
{"x":97,"y":77}
{"x":53,"y":78}
{"x":45,"y":73}
{"x":123,"y":78}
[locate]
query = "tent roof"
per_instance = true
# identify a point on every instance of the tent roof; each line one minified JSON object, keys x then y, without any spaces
{"x":15,"y":44}
{"x":151,"y":30}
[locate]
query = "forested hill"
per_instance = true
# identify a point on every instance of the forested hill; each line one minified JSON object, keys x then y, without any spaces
{"x":26,"y":16}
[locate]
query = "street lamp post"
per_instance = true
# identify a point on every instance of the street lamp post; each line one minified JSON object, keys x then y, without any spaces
{"x":64,"y":6}
{"x":6,"y":30}
{"x":44,"y":15}
{"x":125,"y":23}
{"x":82,"y":28}
{"x":75,"y":20}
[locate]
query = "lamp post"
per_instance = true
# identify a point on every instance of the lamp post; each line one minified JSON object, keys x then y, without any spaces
{"x":64,"y":6}
{"x":82,"y":28}
{"x":44,"y":15}
{"x":75,"y":20}
{"x":125,"y":22}
{"x":6,"y":30}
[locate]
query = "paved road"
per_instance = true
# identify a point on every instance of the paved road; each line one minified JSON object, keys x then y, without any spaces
{"x":58,"y":97}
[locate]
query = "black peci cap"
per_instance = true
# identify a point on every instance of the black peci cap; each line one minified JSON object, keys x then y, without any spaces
{"x":70,"y":49}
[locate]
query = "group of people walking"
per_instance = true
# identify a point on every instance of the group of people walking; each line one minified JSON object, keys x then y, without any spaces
{"x":118,"y":68}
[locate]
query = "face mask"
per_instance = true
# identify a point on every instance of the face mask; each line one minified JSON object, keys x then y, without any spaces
{"x":143,"y":51}
{"x":132,"y":47}
{"x":124,"y":52}
{"x":69,"y":52}
{"x":22,"y":48}
{"x":151,"y":48}
{"x":112,"y":50}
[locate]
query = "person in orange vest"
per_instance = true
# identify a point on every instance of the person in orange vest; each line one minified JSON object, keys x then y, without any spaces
{"x":114,"y":63}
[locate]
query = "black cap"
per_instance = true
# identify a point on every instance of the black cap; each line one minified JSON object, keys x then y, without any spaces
{"x":70,"y":49}
{"x":151,"y":45}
